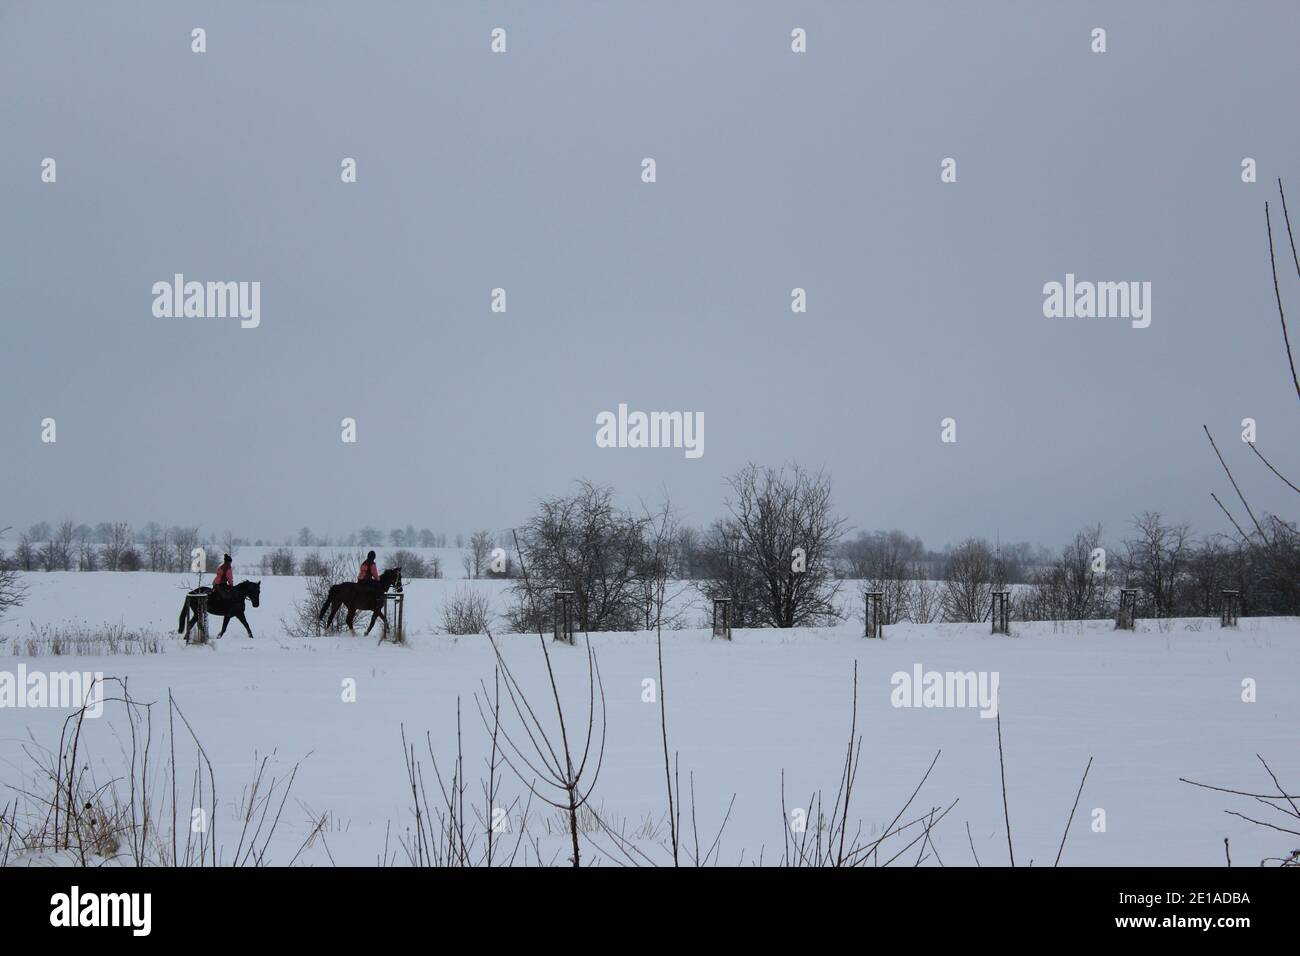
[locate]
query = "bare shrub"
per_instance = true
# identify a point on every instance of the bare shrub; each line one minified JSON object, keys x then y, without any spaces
{"x":924,"y":599}
{"x":278,"y":562}
{"x":893,"y":598}
{"x":468,"y":611}
{"x":305,"y":621}
{"x":413,"y":565}
{"x":138,"y":816}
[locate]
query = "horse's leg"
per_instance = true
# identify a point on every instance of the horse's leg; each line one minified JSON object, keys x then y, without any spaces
{"x":180,"y":626}
{"x":225,"y":623}
{"x":244,"y":621}
{"x":352,"y":613}
{"x":335,"y":604}
{"x":374,"y":616}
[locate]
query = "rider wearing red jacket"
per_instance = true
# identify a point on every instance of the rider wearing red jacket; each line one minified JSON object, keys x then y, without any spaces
{"x":225,"y":579}
{"x":369,"y":571}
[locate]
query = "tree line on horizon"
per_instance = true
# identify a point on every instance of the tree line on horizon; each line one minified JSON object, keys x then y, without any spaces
{"x":779,"y":552}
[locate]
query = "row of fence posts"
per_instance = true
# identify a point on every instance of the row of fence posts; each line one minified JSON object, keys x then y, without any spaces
{"x":875,"y":619}
{"x":999,"y":612}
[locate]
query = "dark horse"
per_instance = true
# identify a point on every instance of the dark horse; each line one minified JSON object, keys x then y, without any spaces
{"x":226,"y":607}
{"x":361,"y":597}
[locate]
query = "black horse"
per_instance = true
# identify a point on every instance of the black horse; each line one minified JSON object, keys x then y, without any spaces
{"x":227,"y":607}
{"x":361,"y":597}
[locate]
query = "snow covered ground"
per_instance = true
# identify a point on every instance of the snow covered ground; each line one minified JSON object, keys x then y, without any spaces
{"x":1149,"y":707}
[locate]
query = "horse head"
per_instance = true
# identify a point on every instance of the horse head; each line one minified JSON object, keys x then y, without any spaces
{"x":252,"y":590}
{"x":392,"y":578}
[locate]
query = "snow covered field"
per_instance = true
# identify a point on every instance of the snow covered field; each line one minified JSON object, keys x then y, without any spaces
{"x":1149,"y":707}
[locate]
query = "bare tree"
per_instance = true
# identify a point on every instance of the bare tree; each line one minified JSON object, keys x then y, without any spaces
{"x":25,"y":554}
{"x":12,"y":589}
{"x":773,"y":554}
{"x":47,"y":557}
{"x":1155,"y":561}
{"x":87,"y":553}
{"x":657,"y":580}
{"x":184,"y":540}
{"x":1210,"y":570}
{"x":688,"y":552}
{"x":476,"y":558}
{"x":156,"y":543}
{"x":881,"y":555}
{"x":65,"y":536}
{"x":412,"y":564}
{"x":120,"y":541}
{"x":1075,"y":587}
{"x":584,"y":544}
{"x":969,"y":576}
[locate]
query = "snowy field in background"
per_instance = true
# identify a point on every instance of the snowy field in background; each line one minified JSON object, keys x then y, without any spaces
{"x":1149,"y":707}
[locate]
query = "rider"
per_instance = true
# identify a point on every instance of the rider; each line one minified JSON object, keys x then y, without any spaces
{"x":369,"y":571}
{"x":224,"y":582}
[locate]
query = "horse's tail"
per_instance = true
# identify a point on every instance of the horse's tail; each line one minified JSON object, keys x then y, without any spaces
{"x":185,"y":609}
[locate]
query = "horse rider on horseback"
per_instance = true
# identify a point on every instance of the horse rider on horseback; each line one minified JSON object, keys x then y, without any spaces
{"x":369,"y":572}
{"x":223,"y":585}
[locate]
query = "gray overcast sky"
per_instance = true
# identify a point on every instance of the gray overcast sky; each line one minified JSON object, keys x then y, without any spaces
{"x":522,"y":170}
